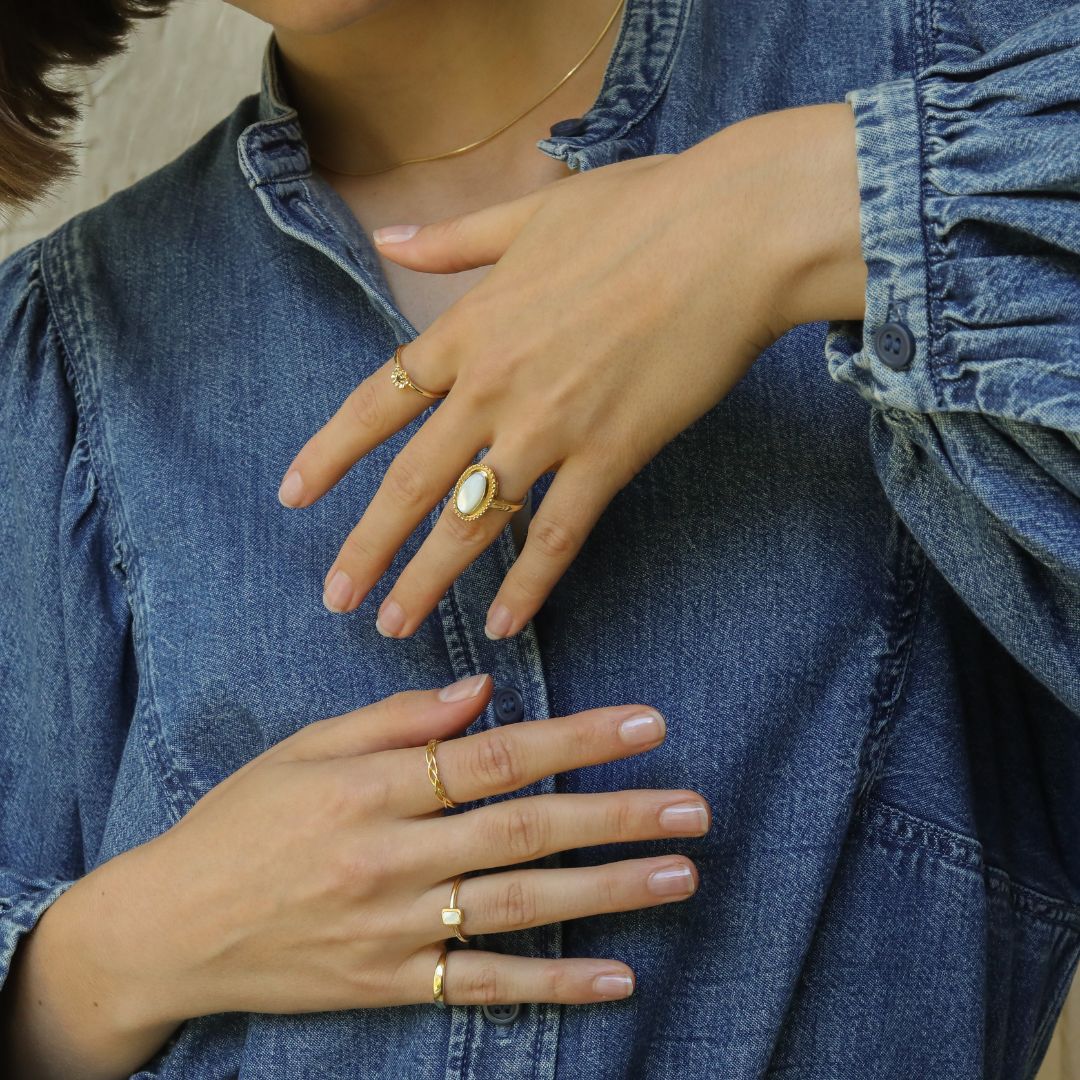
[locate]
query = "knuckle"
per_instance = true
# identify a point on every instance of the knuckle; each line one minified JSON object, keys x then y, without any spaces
{"x":496,"y":763}
{"x":404,"y":482}
{"x":357,"y":548}
{"x":622,"y":819}
{"x":553,"y":538}
{"x":358,"y":872}
{"x":468,"y":535}
{"x":365,"y":408}
{"x":482,"y":985}
{"x":517,"y":907}
{"x":522,"y":832}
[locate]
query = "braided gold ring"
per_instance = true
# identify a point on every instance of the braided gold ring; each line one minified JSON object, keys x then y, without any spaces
{"x":400,"y":377}
{"x":433,"y":775}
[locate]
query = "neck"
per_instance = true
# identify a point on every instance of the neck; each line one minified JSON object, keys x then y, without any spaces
{"x":415,"y":78}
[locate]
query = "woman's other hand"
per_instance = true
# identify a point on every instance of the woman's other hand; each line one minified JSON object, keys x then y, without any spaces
{"x":314,"y":877}
{"x":624,"y":303}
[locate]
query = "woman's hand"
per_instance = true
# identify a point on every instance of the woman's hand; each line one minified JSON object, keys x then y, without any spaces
{"x":625,"y":302}
{"x":314,"y":877}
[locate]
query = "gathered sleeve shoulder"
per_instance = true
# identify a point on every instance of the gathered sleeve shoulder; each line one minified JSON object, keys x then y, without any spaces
{"x":65,"y":662}
{"x":969,"y":178}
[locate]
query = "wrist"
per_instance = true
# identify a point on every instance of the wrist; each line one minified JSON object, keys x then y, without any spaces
{"x":803,"y":210}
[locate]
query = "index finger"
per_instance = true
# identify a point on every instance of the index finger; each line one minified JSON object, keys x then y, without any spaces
{"x":508,"y":758}
{"x":368,"y":416}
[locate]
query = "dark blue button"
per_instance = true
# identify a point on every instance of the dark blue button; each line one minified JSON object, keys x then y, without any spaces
{"x":575,"y":125}
{"x":503,"y":1014}
{"x":894,"y":345}
{"x":508,"y":706}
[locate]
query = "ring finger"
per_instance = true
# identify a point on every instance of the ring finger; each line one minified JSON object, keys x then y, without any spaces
{"x":520,"y":899}
{"x":450,"y":548}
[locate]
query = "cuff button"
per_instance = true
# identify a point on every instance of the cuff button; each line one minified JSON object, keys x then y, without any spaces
{"x":894,"y":345}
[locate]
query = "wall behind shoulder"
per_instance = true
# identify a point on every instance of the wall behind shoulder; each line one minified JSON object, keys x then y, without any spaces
{"x":179,"y":76}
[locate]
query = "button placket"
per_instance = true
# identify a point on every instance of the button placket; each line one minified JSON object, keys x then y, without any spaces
{"x":508,"y":1040}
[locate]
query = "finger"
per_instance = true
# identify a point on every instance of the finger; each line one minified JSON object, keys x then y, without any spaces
{"x":571,"y":507}
{"x":368,"y":416}
{"x":508,"y":758}
{"x":462,"y":241}
{"x":520,"y":899}
{"x":480,"y":977}
{"x":451,"y":547}
{"x":414,"y":483}
{"x":406,"y":719}
{"x":531,"y":827}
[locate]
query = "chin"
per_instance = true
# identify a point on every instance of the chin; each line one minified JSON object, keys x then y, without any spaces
{"x":312,"y":16}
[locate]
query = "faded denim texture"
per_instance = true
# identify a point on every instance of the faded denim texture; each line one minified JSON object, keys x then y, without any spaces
{"x":854,"y":591}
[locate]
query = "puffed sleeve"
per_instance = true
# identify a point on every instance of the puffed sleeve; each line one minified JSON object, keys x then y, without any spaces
{"x":65,"y":702}
{"x":969,"y":175}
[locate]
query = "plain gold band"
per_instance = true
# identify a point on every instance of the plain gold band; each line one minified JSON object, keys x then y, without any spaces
{"x":438,"y":979}
{"x":403,"y":381}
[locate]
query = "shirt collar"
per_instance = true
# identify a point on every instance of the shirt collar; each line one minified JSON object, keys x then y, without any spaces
{"x":272,"y":149}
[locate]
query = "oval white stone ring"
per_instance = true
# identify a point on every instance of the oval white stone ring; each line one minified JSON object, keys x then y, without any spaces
{"x":475,"y":493}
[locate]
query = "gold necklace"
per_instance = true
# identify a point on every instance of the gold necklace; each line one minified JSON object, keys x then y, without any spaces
{"x":499,"y":131}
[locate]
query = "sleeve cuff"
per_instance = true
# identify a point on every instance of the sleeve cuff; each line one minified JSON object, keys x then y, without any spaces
{"x":23,"y":903}
{"x":886,"y":356}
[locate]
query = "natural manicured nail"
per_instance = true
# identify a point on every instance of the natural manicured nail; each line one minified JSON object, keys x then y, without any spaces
{"x":688,"y":819}
{"x":641,"y":730}
{"x":394,"y":234}
{"x":292,"y":489}
{"x":613,"y":986}
{"x":671,"y":881}
{"x":391,"y":619}
{"x":498,"y":622}
{"x":463,"y":688}
{"x":338,"y":592}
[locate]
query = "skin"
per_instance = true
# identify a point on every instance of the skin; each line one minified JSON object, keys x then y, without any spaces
{"x":766,"y":211}
{"x":345,"y":804}
{"x":200,"y":919}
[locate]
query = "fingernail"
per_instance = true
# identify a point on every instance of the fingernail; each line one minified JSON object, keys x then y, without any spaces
{"x":688,"y":819}
{"x":613,"y":986}
{"x":391,"y":619}
{"x":641,"y":730}
{"x":463,"y":688}
{"x":673,"y":881}
{"x":393,"y":234}
{"x":291,"y":490}
{"x":338,"y":592}
{"x":498,"y":622}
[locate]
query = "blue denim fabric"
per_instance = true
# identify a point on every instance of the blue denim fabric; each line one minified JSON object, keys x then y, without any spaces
{"x":854,"y":591}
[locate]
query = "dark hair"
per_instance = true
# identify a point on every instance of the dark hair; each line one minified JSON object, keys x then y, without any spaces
{"x":36,"y":38}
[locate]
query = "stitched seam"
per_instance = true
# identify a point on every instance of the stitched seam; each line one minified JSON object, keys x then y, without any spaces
{"x":891,"y":677}
{"x":174,"y":789}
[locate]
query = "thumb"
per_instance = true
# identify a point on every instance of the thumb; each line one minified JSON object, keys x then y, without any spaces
{"x":460,"y":242}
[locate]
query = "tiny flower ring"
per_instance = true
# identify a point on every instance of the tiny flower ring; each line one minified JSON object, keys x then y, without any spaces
{"x":401,"y":379}
{"x":476,"y":493}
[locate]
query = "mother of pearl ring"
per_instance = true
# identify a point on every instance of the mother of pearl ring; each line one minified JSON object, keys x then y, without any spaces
{"x":475,"y":493}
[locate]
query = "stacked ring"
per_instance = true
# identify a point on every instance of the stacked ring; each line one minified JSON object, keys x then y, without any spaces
{"x":433,"y":775}
{"x":401,"y":379}
{"x":437,"y":981}
{"x":452,"y":916}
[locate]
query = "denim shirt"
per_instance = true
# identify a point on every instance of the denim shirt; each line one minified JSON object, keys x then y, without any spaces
{"x":852,"y":587}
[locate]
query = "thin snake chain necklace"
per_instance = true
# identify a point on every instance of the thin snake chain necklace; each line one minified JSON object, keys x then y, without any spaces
{"x":498,"y":131}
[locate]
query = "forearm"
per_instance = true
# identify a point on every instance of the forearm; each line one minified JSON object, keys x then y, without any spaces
{"x":791,"y":178}
{"x":69,"y":1009}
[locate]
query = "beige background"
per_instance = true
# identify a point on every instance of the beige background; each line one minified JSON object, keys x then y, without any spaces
{"x":179,"y":77}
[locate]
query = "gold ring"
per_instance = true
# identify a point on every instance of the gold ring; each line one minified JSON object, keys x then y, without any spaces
{"x":400,"y":377}
{"x":437,"y":981}
{"x":433,"y":775}
{"x":452,"y":916}
{"x":475,"y":493}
